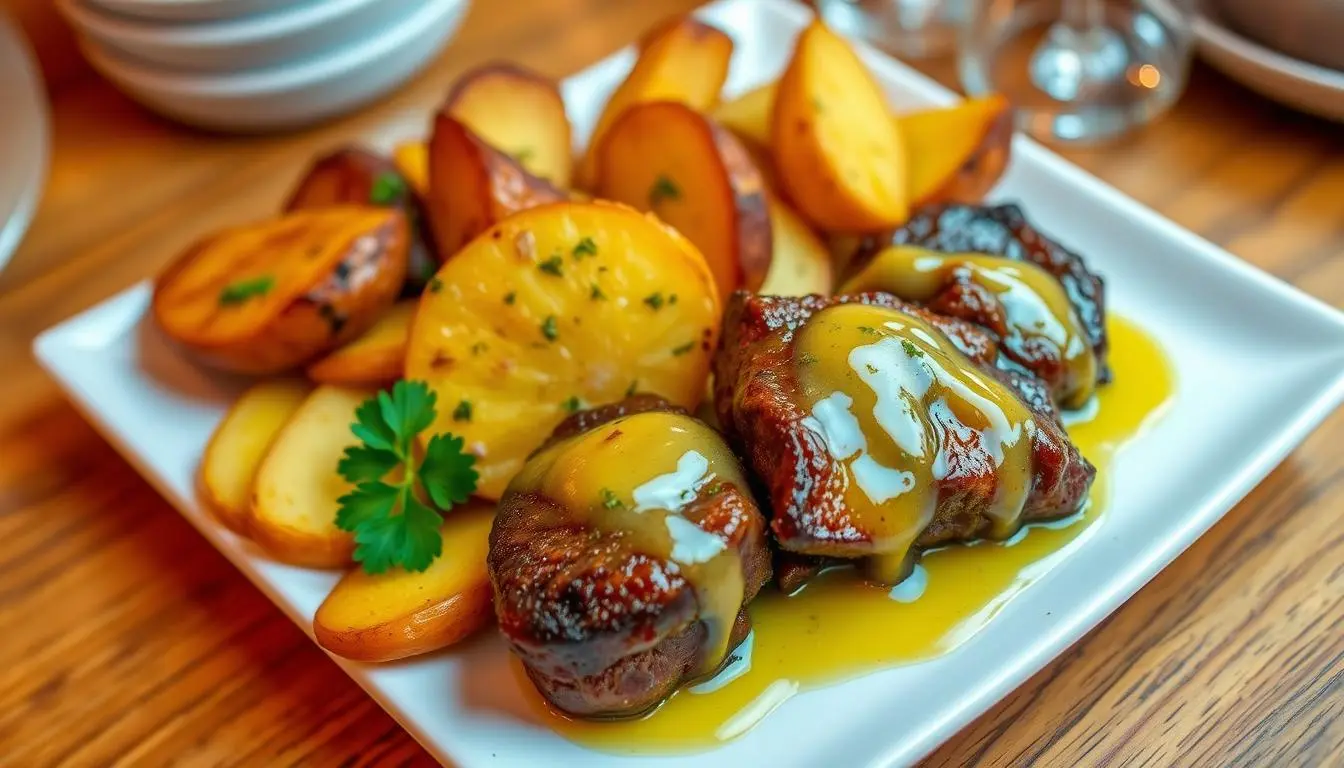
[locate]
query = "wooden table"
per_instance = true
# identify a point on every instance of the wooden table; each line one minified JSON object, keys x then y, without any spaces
{"x":128,"y":638}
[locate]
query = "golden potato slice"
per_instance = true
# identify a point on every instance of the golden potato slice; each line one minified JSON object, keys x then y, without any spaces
{"x":838,"y":152}
{"x":557,"y":308}
{"x":272,"y":296}
{"x":520,"y":113}
{"x":412,"y":159}
{"x":295,"y":497}
{"x":472,"y":185}
{"x":749,"y":115}
{"x":239,"y":444}
{"x":956,"y":154}
{"x":684,"y":60}
{"x":664,"y":157}
{"x":375,"y":358}
{"x":801,"y":263}
{"x":399,"y":613}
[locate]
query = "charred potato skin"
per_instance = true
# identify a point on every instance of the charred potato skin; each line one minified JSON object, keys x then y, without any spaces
{"x":540,"y":87}
{"x":755,"y":245}
{"x":348,"y":176}
{"x":339,"y":307}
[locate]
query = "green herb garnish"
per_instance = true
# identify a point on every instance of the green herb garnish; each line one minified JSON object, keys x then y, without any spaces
{"x":867,"y":330}
{"x":683,"y":349}
{"x":609,"y":499}
{"x":654,"y":300}
{"x":388,"y":187}
{"x":510,"y":297}
{"x":910,"y":349}
{"x":632,"y":389}
{"x":463,"y":411}
{"x":572,"y":404}
{"x":548,"y":328}
{"x":397,"y":523}
{"x":435,"y":285}
{"x":555,"y":265}
{"x":586,"y":247}
{"x":239,"y":292}
{"x":596,"y":293}
{"x":523,"y":155}
{"x":663,"y":189}
{"x":807,"y":358}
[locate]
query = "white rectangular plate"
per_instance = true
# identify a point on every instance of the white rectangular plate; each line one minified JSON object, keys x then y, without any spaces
{"x":1258,"y":366}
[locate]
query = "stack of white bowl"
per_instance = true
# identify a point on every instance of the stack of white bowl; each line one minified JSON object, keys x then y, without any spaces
{"x":257,"y":65}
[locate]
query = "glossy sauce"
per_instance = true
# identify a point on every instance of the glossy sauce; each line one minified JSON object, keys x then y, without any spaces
{"x":1037,"y":312}
{"x":636,"y":474}
{"x":839,"y":627}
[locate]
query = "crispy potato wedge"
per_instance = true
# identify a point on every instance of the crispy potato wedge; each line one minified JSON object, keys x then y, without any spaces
{"x":839,"y":154}
{"x":272,"y":296}
{"x":750,"y":114}
{"x":664,"y":157}
{"x":472,"y":185}
{"x":556,"y":308}
{"x":801,"y":263}
{"x":683,"y":60}
{"x":375,"y":358}
{"x":412,"y":159}
{"x":399,"y":613}
{"x":956,"y":154}
{"x":356,"y":176}
{"x":521,"y":114}
{"x":239,"y":444}
{"x":294,"y":498}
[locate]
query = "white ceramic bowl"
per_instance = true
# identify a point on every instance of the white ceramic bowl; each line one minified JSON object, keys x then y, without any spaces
{"x":294,"y":94}
{"x":237,"y":44}
{"x":176,"y":10}
{"x":23,"y":137}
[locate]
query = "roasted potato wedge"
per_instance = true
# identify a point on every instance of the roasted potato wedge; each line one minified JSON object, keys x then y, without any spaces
{"x":956,"y":154}
{"x":398,"y":613}
{"x":374,"y":359}
{"x":521,"y":114}
{"x":412,"y":159}
{"x":664,"y":157}
{"x":801,"y":263}
{"x":356,"y":176}
{"x":553,"y":309}
{"x":839,"y":154}
{"x":472,"y":185}
{"x":295,"y":497}
{"x":240,"y":443}
{"x":272,"y":296}
{"x":683,"y":60}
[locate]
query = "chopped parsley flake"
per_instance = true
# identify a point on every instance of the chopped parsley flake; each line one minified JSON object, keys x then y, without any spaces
{"x":478,"y":347}
{"x":435,"y":285}
{"x":654,"y":300}
{"x":911,"y":349}
{"x":663,"y":189}
{"x":548,"y":328}
{"x":807,"y":358}
{"x":572,"y":404}
{"x":463,"y":411}
{"x":237,"y":293}
{"x":867,"y":330}
{"x":609,"y":500}
{"x":553,"y":266}
{"x":684,"y":348}
{"x":388,"y":187}
{"x":510,"y":297}
{"x":596,"y":293}
{"x":632,"y":389}
{"x":871,"y":368}
{"x":586,"y":247}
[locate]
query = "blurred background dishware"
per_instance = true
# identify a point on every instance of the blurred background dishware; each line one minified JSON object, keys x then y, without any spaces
{"x":294,"y":64}
{"x":1078,"y":70}
{"x":912,"y":29}
{"x":1312,"y":30}
{"x":23,"y":138}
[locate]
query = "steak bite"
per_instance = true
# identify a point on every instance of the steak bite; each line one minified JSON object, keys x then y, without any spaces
{"x":878,"y":429}
{"x":623,"y":556}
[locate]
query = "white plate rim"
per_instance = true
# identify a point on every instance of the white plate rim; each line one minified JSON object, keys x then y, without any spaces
{"x":28,"y":167}
{"x":1062,"y":634}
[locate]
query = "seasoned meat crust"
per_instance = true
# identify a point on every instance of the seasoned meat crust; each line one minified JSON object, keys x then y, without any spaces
{"x":757,"y":401}
{"x":604,"y":630}
{"x":1001,"y":230}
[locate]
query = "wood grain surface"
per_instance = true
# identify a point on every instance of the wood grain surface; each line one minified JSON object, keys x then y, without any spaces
{"x":128,"y":640}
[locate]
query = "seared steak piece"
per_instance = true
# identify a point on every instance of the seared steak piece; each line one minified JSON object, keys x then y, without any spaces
{"x":878,"y":429}
{"x":623,"y":556}
{"x":1002,"y":230}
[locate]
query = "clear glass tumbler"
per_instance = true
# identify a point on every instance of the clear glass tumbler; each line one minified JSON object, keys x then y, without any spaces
{"x":1078,"y":70}
{"x":911,"y":29}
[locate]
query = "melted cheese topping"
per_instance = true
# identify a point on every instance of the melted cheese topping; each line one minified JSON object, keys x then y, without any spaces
{"x":900,"y":410}
{"x":1037,"y":311}
{"x":637,"y":475}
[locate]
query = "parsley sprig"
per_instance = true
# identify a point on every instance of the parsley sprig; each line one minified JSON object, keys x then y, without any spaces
{"x":397,"y":507}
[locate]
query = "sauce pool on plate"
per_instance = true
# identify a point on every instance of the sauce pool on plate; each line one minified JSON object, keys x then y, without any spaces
{"x":839,"y":627}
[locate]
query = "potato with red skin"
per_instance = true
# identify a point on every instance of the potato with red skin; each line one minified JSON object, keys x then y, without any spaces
{"x":472,"y":185}
{"x":353,"y":175}
{"x":520,"y":113}
{"x":271,"y":296}
{"x":683,"y":60}
{"x":376,"y":357}
{"x":666,"y":158}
